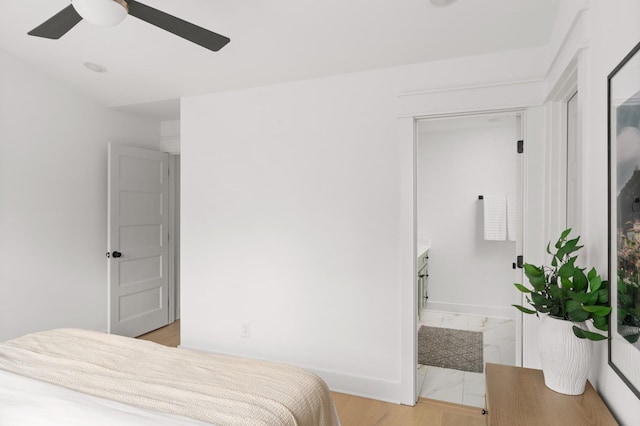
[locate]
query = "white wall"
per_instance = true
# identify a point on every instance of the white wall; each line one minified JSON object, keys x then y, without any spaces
{"x":53,"y":167}
{"x":614,"y":31}
{"x":251,"y":235}
{"x":296,"y":208}
{"x":466,"y":273}
{"x":170,"y":136}
{"x":290,"y":212}
{"x":593,"y":37}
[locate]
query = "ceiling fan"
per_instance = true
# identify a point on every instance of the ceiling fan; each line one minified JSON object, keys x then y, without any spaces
{"x":112,"y":12}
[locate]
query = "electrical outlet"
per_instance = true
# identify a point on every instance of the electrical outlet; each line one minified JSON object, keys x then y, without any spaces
{"x":245,"y":329}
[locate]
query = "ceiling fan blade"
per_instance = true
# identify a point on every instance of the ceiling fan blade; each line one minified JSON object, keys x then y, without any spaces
{"x":187,"y":30}
{"x":58,"y":25}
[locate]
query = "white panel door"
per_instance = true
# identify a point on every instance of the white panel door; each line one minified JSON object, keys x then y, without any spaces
{"x":138,"y":234}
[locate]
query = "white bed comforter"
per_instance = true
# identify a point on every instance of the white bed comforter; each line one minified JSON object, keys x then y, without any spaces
{"x":29,"y":402}
{"x":217,"y":389}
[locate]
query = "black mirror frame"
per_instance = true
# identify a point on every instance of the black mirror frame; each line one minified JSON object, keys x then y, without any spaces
{"x":614,"y":240}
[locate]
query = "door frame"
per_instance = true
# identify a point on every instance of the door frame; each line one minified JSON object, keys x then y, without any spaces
{"x":407,"y":133}
{"x":171,"y":146}
{"x":174,"y":248}
{"x":557,"y":156}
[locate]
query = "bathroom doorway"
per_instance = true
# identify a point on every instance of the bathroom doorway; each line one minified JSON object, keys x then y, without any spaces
{"x":465,"y":266}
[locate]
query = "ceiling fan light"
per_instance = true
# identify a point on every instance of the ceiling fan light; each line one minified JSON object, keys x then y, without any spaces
{"x":103,"y":13}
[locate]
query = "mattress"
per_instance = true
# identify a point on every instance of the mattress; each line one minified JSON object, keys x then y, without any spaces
{"x":183,"y":384}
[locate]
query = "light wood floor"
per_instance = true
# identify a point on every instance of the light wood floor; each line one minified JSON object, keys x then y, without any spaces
{"x":168,"y":336}
{"x":357,"y":411}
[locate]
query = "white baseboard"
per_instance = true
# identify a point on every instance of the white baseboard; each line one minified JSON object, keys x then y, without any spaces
{"x":366,"y":387}
{"x":489,"y":311}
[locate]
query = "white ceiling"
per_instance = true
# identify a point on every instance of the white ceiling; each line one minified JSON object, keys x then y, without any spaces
{"x":272,"y":41}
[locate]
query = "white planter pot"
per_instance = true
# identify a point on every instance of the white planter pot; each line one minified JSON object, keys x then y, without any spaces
{"x":565,"y":358}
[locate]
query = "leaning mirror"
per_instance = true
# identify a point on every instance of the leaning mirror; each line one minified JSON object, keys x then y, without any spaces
{"x":624,"y":219}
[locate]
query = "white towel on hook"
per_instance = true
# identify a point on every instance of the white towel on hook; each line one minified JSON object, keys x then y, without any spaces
{"x":495,"y":217}
{"x":511,"y":217}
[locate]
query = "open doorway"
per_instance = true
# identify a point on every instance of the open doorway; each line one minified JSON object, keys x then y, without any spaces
{"x":465,"y":268}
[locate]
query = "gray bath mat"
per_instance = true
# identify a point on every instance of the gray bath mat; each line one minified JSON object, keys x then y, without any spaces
{"x":448,"y":348}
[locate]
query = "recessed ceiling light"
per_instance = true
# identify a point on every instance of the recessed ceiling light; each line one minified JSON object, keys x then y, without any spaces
{"x":92,"y":66}
{"x":442,"y":3}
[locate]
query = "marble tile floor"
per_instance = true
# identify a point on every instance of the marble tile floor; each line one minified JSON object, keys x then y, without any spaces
{"x":464,"y":387}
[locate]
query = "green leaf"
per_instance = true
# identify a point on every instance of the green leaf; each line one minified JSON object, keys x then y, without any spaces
{"x":578,"y":332}
{"x":595,"y":282}
{"x":522,"y":288}
{"x":603,"y":296}
{"x":573,"y":305}
{"x":581,"y":297}
{"x":601,"y":323}
{"x":538,"y":300}
{"x":570,"y":245}
{"x":549,"y":248}
{"x":580,"y":282}
{"x":603,"y":327}
{"x":624,"y":299}
{"x":585,"y":334}
{"x":591,"y":275}
{"x":532,"y":270}
{"x":621,"y":314}
{"x":632,"y":338}
{"x":566,"y":270}
{"x":525,"y":310}
{"x":535,"y":275}
{"x":574,"y":249}
{"x":586,"y":298}
{"x":565,"y":234}
{"x":635,"y":312}
{"x":592,"y":299}
{"x":578,"y":315}
{"x":598,"y":310}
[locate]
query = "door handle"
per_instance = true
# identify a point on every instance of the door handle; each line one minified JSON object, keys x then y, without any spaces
{"x":114,"y":254}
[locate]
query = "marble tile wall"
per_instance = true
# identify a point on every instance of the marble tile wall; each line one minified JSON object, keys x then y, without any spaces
{"x":464,"y":387}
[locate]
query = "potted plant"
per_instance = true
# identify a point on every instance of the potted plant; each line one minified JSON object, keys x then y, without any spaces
{"x":569,"y":298}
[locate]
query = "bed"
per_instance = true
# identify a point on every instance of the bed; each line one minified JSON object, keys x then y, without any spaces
{"x":73,"y":376}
